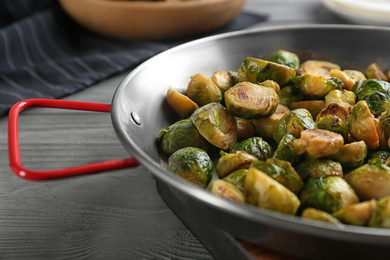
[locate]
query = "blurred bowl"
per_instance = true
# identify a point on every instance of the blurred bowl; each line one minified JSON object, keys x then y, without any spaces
{"x":152,"y":20}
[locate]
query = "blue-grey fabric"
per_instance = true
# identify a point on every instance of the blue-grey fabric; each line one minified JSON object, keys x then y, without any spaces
{"x":44,"y":54}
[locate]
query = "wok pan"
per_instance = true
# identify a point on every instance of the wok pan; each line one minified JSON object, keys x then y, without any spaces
{"x":139,"y":111}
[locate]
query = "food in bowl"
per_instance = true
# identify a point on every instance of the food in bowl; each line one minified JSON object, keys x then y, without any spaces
{"x":301,"y":138}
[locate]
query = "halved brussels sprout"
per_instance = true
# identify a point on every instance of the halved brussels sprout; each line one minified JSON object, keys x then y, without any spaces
{"x":383,"y":130}
{"x":334,"y":124}
{"x":318,"y":143}
{"x":182,"y":104}
{"x":265,"y":192}
{"x":216,"y":125}
{"x":294,"y":122}
{"x":222,"y":80}
{"x":244,"y":129}
{"x":203,"y":90}
{"x":327,"y":193}
{"x":258,"y":70}
{"x":372,"y":180}
{"x":343,"y":98}
{"x":355,"y":75}
{"x":384,"y":155}
{"x":284,"y":151}
{"x":317,"y":67}
{"x":351,"y":155}
{"x":226,"y":190}
{"x":316,"y":87}
{"x":265,"y":127}
{"x":381,"y":216}
{"x":320,"y":215}
{"x":179,"y":135}
{"x":358,"y":214}
{"x":375,"y":92}
{"x":318,"y":167}
{"x":271,"y":84}
{"x":281,"y":171}
{"x":193,"y":164}
{"x":249,"y":101}
{"x":233,"y":161}
{"x":374,"y":71}
{"x":345,"y":77}
{"x":361,"y":125}
{"x":287,"y":58}
{"x":237,"y":178}
{"x":288,"y":95}
{"x":237,"y":76}
{"x":255,"y":146}
{"x":334,"y":110}
{"x":313,"y":106}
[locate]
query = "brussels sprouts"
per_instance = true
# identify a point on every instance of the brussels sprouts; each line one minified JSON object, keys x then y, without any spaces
{"x":372,"y":180}
{"x":316,"y":87}
{"x":384,"y":155}
{"x":327,"y":193}
{"x":284,"y":150}
{"x":237,"y":76}
{"x":383,"y":130}
{"x":282,"y":172}
{"x":343,"y":98}
{"x":192,"y":164}
{"x":203,"y":90}
{"x":216,"y":125}
{"x":317,"y":167}
{"x":244,"y":129}
{"x":249,"y":101}
{"x":255,"y":146}
{"x":294,"y":122}
{"x":358,"y":214}
{"x":265,"y":192}
{"x":286,"y":58}
{"x":375,"y":92}
{"x":334,"y":110}
{"x":346,"y":78}
{"x":233,"y":161}
{"x":226,"y":190}
{"x":258,"y":70}
{"x":355,"y":75}
{"x":222,"y":80}
{"x":319,"y":215}
{"x":375,"y":72}
{"x":288,"y":95}
{"x":237,"y":178}
{"x":313,"y":106}
{"x":351,"y":155}
{"x":334,"y":124}
{"x":316,"y":67}
{"x":271,"y":84}
{"x":317,"y":143}
{"x":265,"y":127}
{"x":361,"y":125}
{"x":182,"y":104}
{"x":179,"y":135}
{"x":381,"y":216}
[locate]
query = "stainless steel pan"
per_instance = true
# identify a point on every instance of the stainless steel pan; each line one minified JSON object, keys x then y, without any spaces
{"x":139,"y":112}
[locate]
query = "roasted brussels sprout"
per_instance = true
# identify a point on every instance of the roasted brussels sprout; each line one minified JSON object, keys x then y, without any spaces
{"x":316,"y":87}
{"x":226,"y":190}
{"x":334,"y":110}
{"x":179,"y":135}
{"x":237,"y":178}
{"x":203,"y":90}
{"x":288,"y":95}
{"x":237,"y":76}
{"x":346,"y":78}
{"x":294,"y":122}
{"x":317,"y":67}
{"x":216,"y":125}
{"x":351,"y":155}
{"x":251,"y":101}
{"x":334,"y":124}
{"x":182,"y":104}
{"x":265,"y":192}
{"x":284,"y":151}
{"x":327,"y":193}
{"x":271,"y":84}
{"x":255,"y":146}
{"x":286,"y":58}
{"x":384,"y":155}
{"x":258,"y":70}
{"x":375,"y":72}
{"x":317,"y":167}
{"x":318,"y":143}
{"x":313,"y":106}
{"x":375,"y":92}
{"x":383,"y":130}
{"x":358,"y":214}
{"x":245,"y":129}
{"x":343,"y":98}
{"x":265,"y":127}
{"x":372,"y":180}
{"x":281,"y":171}
{"x":381,"y":216}
{"x":319,"y":215}
{"x":192,"y":164}
{"x":361,"y":125}
{"x":233,"y":161}
{"x":222,"y":80}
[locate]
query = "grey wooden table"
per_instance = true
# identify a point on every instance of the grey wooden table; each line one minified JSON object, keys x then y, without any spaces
{"x":114,"y":215}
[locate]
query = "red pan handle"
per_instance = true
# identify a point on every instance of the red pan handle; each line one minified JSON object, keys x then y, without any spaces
{"x":13,"y":142}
